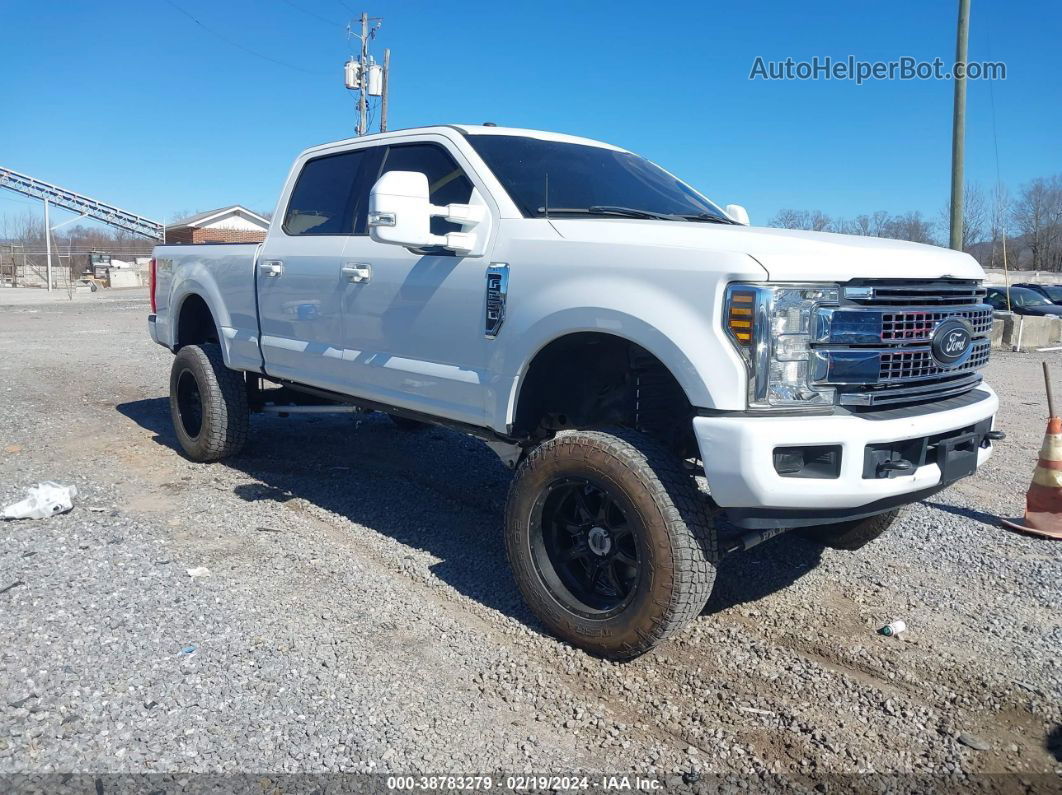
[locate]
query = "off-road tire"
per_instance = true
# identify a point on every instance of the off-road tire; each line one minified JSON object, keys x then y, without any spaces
{"x":852,"y":535}
{"x":406,"y":424}
{"x":223,"y":396}
{"x":675,"y":534}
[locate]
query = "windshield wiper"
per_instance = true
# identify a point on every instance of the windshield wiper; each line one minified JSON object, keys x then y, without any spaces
{"x":708,"y":218}
{"x":608,"y":209}
{"x":630,"y":212}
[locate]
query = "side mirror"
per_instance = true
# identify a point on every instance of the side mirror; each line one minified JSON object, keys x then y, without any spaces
{"x":399,"y":210}
{"x":737,"y":213}
{"x":400,"y":213}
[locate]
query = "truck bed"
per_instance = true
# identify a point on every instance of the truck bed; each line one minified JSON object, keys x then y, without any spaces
{"x":222,"y":275}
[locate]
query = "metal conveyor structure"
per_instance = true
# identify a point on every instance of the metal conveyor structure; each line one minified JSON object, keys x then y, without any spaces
{"x":82,"y":205}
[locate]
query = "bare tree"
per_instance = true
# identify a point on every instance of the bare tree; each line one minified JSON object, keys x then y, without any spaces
{"x":879,"y":223}
{"x":788,"y":219}
{"x":814,"y":220}
{"x":975,"y":216}
{"x":841,"y":226}
{"x":911,"y":226}
{"x":180,"y":215}
{"x":999,"y":224}
{"x":861,"y":225}
{"x":1031,"y":224}
{"x":818,"y":221}
{"x":1037,"y":214}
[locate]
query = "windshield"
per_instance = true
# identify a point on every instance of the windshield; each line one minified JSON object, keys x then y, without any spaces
{"x":1054,"y":293}
{"x":588,"y":180}
{"x":1022,"y":296}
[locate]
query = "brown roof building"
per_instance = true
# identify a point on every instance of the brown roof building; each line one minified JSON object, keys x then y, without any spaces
{"x":233,"y":224}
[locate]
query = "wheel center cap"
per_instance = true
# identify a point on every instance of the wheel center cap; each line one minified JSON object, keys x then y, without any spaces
{"x":599,"y":541}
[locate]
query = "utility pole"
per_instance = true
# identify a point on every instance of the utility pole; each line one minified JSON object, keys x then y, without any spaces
{"x":383,"y":96}
{"x":363,"y":103}
{"x":958,"y":125}
{"x":366,"y":76}
{"x":48,"y":243}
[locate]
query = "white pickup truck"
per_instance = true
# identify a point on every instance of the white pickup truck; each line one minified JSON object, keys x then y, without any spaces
{"x":613,"y":335}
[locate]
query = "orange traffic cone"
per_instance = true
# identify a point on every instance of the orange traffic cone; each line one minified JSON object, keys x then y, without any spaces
{"x":1043,"y":501}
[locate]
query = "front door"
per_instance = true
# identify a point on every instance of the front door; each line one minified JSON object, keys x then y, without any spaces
{"x":417,"y":323}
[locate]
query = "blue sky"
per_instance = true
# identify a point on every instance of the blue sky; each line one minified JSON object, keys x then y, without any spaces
{"x":134,"y":103}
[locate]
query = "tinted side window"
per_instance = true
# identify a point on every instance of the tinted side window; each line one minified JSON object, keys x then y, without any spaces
{"x":322,"y":201}
{"x":447,"y":183}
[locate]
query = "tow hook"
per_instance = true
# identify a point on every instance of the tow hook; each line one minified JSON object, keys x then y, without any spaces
{"x":899,"y":465}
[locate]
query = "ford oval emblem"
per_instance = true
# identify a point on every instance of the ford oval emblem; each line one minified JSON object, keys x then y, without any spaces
{"x":951,"y":341}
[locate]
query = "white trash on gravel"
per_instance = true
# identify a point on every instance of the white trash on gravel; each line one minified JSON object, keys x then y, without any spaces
{"x":44,"y":500}
{"x":893,"y":628}
{"x":199,"y":571}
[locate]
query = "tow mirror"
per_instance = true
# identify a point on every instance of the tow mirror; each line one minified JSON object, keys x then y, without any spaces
{"x":400,"y":213}
{"x":737,"y":213}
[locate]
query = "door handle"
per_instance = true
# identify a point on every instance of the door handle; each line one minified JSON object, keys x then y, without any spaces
{"x":273,"y":267}
{"x":357,"y":272}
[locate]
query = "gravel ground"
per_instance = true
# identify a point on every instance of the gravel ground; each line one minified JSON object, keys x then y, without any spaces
{"x":358,"y":613}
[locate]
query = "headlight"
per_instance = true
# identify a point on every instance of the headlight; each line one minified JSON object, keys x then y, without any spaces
{"x":771,"y":326}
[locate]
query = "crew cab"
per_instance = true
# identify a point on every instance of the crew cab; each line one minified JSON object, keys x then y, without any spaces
{"x":645,"y":360}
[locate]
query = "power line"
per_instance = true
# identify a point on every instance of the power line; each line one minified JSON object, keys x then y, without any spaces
{"x":315,"y":15}
{"x":236,"y":44}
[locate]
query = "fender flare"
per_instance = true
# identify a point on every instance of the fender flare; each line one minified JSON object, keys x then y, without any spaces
{"x":615,"y":324}
{"x":185,"y":290}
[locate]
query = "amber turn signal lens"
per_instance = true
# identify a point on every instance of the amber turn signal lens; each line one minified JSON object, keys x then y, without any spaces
{"x":739,"y":316}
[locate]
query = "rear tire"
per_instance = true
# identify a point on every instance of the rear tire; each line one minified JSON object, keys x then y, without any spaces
{"x":852,"y":535}
{"x":208,"y":403}
{"x":609,"y":540}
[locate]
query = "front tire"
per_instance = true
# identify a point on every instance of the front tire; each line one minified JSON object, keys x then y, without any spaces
{"x":852,"y":535}
{"x":208,"y":403}
{"x":609,"y":540}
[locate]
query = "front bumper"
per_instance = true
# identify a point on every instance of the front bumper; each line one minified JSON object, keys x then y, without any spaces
{"x":738,"y":455}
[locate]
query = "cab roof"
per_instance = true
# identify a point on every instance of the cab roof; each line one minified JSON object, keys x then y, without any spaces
{"x":470,"y":129}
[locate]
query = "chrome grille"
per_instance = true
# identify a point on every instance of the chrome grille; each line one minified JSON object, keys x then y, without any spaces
{"x":925,"y":292}
{"x":883,"y":396}
{"x":908,"y":365}
{"x":875,"y":346}
{"x":845,"y":325}
{"x":918,"y":325}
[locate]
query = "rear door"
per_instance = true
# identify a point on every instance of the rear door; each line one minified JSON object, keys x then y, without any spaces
{"x":299,"y":279}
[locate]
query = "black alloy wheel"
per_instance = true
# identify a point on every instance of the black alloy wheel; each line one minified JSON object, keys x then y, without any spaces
{"x":189,"y":404}
{"x":585,"y":547}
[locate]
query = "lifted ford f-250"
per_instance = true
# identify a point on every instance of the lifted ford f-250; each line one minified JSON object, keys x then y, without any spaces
{"x":609,"y":332}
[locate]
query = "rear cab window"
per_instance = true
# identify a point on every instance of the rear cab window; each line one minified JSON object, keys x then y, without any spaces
{"x":324,"y":200}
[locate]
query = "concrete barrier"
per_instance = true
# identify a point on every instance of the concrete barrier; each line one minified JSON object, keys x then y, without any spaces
{"x":999,"y":325}
{"x":1025,"y":332}
{"x":124,"y":278}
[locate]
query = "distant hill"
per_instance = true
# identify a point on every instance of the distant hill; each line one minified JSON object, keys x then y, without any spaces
{"x":1018,"y":254}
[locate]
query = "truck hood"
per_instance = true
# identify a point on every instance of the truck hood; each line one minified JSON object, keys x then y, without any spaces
{"x":786,"y":254}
